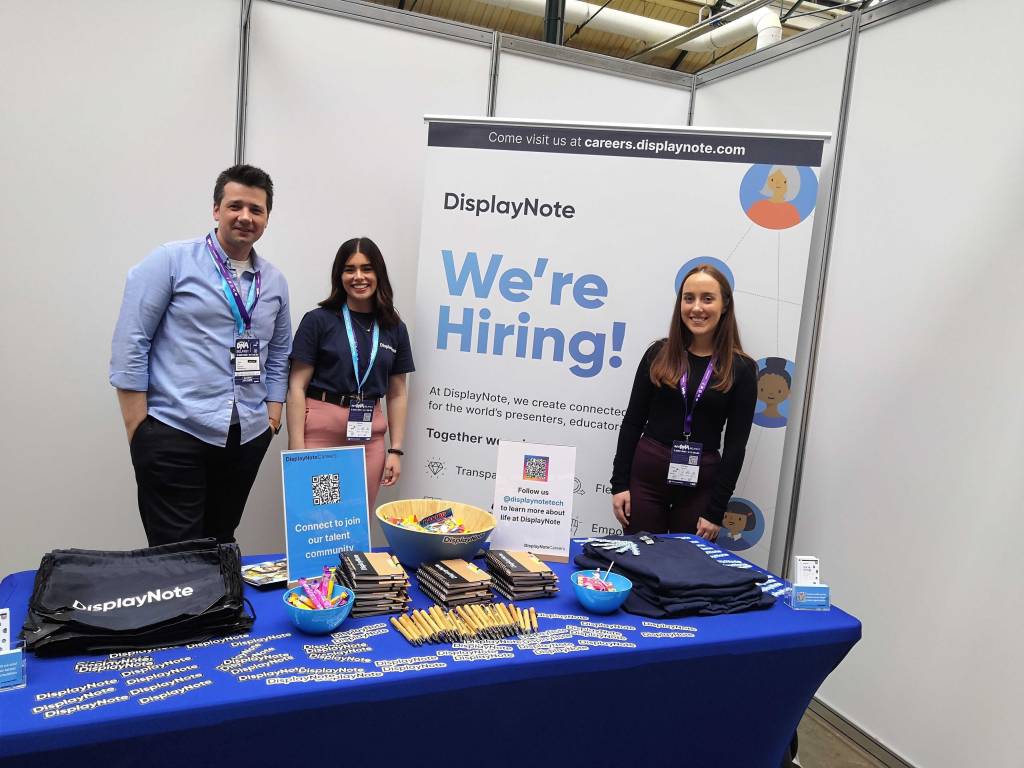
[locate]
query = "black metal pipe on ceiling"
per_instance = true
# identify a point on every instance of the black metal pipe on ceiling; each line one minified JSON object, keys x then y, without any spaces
{"x":554,"y":21}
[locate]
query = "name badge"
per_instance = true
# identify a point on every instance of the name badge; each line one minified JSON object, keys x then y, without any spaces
{"x":246,"y":354}
{"x":685,"y":464}
{"x":360,"y":419}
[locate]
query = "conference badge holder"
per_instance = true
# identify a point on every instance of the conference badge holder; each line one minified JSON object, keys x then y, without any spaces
{"x":684,"y":467}
{"x":360,"y":419}
{"x":12,"y":659}
{"x":685,"y":464}
{"x":246,"y":354}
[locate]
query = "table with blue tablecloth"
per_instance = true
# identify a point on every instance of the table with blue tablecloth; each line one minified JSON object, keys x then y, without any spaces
{"x":731,"y":694}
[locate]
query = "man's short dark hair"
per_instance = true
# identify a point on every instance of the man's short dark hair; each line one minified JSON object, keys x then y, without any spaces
{"x":247,"y":175}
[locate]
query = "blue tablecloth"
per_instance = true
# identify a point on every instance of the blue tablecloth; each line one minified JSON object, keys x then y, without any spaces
{"x":732,"y":695}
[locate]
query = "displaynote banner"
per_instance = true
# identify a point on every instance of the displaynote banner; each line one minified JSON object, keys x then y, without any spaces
{"x":550,"y":256}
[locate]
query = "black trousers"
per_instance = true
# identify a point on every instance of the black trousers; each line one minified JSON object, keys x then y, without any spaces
{"x":189,"y":489}
{"x":657,"y":507}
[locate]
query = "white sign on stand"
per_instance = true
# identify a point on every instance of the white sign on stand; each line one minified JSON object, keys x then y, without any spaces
{"x":533,"y":495}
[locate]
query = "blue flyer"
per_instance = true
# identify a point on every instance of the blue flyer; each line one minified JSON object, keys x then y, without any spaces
{"x":12,"y":669}
{"x":325,"y":509}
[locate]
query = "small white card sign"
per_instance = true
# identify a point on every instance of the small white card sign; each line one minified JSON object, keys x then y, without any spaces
{"x":533,"y":499}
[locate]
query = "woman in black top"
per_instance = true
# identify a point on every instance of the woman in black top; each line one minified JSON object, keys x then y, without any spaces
{"x":653,"y":487}
{"x":347,"y":355}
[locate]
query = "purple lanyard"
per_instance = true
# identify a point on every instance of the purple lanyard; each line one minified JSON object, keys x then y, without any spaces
{"x":687,"y":413}
{"x":242,"y":313}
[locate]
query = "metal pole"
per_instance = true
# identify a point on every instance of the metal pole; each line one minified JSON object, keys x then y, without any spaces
{"x":554,"y":21}
{"x":693,"y":99}
{"x":243,"y":79}
{"x":775,"y":564}
{"x":492,"y":80}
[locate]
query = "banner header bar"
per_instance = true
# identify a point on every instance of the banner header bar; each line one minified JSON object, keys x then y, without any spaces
{"x":629,"y":142}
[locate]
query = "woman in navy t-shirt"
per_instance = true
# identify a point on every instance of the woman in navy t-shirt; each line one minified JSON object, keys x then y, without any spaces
{"x":347,"y":355}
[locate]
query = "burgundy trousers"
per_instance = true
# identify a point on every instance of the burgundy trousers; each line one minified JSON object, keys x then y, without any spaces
{"x":656,"y":506}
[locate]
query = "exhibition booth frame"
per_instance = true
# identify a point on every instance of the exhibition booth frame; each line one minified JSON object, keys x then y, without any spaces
{"x":326,"y":93}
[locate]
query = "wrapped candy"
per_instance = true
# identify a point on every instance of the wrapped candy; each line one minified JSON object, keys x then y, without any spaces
{"x":595,"y":582}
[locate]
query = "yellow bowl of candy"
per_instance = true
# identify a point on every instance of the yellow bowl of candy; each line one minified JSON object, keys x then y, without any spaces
{"x":427,"y":530}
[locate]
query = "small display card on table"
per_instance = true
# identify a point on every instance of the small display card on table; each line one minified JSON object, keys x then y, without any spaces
{"x":325,"y":507}
{"x":12,"y":659}
{"x":533,"y":499}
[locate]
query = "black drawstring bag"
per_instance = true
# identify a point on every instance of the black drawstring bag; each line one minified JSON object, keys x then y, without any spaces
{"x":91,"y":601}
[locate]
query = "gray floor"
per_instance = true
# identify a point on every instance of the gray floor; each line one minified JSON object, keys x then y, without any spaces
{"x":821,"y":746}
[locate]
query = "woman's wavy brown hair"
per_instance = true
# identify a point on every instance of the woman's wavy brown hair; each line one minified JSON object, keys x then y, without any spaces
{"x":671,"y":362}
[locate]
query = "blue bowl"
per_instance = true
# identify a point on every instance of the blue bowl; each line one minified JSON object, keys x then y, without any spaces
{"x":602,"y":602}
{"x":323,"y":621}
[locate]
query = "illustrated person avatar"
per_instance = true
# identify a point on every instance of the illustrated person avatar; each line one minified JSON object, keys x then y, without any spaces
{"x":773,"y":388}
{"x":775,"y":209}
{"x":738,"y":519}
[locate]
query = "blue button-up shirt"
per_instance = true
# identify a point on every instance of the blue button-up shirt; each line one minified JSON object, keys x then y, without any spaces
{"x":175,"y":335}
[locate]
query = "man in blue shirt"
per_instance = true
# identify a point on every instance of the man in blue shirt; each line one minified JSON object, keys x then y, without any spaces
{"x":200,"y":363}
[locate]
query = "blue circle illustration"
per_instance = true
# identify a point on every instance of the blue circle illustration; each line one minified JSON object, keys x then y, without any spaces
{"x":742,"y":525}
{"x":778,"y":196}
{"x":774,"y":386}
{"x":718,"y":264}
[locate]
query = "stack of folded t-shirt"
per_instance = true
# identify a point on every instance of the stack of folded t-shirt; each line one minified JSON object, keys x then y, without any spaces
{"x":673,"y":577}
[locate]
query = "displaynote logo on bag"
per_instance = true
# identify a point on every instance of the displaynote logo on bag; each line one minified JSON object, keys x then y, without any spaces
{"x":135,"y":601}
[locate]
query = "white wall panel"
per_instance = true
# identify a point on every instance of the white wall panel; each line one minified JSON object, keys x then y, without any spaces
{"x":530,"y":87}
{"x":117,"y":117}
{"x":912,"y":487}
{"x":797,"y":92}
{"x":335,"y":115}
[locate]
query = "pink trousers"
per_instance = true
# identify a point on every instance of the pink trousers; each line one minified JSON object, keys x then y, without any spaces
{"x":326,"y":425}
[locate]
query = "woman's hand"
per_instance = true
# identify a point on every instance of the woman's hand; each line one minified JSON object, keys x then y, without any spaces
{"x":392,"y":469}
{"x":620,"y":506}
{"x":707,"y":530}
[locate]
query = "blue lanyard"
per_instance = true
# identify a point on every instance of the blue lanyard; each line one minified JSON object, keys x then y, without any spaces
{"x":242,"y":312}
{"x":355,"y":350}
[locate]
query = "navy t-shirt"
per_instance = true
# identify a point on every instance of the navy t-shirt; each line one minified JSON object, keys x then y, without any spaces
{"x":321,"y":341}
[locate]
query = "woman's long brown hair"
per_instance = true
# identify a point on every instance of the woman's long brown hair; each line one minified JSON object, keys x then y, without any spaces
{"x":671,"y":362}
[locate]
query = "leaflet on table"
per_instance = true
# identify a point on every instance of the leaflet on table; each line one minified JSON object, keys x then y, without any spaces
{"x":810,"y":597}
{"x":325,"y":507}
{"x":12,"y":669}
{"x":806,"y":570}
{"x":533,"y":496}
{"x":266,"y":574}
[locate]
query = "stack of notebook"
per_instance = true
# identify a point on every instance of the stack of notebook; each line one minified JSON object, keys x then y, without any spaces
{"x":379,"y":581}
{"x":454,"y":582}
{"x":519,"y":575}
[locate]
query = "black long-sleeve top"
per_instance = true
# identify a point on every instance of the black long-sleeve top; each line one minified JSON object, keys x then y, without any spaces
{"x":657,"y":412}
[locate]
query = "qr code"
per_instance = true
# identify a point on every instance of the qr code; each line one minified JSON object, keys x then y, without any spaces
{"x":535,"y":468}
{"x":693,"y":459}
{"x":326,"y":489}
